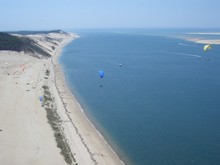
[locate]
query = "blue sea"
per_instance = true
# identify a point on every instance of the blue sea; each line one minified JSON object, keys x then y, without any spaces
{"x":162,"y":105}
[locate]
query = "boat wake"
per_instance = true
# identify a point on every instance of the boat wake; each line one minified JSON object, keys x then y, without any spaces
{"x":181,"y":54}
{"x":182,"y":44}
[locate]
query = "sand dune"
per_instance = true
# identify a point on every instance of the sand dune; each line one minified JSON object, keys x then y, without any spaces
{"x":54,"y":131}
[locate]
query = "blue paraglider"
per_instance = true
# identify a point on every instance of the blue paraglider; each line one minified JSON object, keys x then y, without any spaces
{"x":41,"y":98}
{"x":101,"y":74}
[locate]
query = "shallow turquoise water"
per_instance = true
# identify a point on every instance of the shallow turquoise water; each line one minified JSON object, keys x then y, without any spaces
{"x":161,"y":107}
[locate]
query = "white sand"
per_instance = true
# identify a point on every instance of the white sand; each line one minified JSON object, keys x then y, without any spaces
{"x":204,"y":41}
{"x":25,"y":135}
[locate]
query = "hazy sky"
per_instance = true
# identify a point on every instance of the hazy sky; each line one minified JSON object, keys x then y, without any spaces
{"x":59,"y":14}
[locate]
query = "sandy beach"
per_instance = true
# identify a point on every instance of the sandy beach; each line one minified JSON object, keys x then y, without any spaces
{"x":202,"y":40}
{"x":54,"y":130}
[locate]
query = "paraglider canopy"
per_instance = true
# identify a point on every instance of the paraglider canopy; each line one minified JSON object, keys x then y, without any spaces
{"x":41,"y":98}
{"x":101,"y":74}
{"x":207,"y":47}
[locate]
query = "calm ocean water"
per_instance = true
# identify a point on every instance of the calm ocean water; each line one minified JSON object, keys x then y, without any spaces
{"x":162,"y":106}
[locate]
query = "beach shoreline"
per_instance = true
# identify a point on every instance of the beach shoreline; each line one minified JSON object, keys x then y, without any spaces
{"x":202,"y":40}
{"x":29,"y":133}
{"x":100,"y":152}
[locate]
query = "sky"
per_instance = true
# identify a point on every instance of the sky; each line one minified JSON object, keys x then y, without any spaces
{"x":70,"y":14}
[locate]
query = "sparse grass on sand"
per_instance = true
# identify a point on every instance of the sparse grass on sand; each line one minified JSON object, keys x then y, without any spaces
{"x":55,"y":122}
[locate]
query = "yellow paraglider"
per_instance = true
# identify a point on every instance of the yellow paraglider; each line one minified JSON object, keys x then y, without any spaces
{"x":207,"y":47}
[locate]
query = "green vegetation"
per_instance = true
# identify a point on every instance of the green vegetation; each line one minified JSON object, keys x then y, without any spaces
{"x":8,"y":42}
{"x":45,"y":87}
{"x":14,"y":43}
{"x":53,"y":48}
{"x":47,"y":72}
{"x":37,"y":32}
{"x":55,"y":122}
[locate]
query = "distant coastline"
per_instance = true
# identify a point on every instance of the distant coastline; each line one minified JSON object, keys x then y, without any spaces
{"x":204,"y":41}
{"x":201,"y":39}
